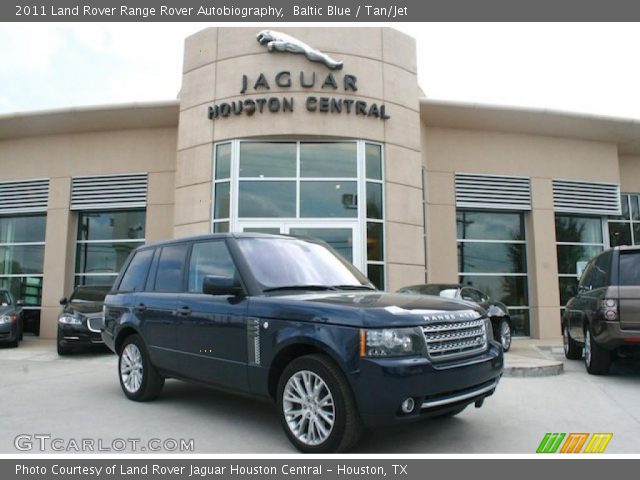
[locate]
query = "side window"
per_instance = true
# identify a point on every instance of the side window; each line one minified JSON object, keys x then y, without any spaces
{"x":136,"y":275}
{"x":600,"y":274}
{"x":209,"y":258}
{"x":170,"y":268}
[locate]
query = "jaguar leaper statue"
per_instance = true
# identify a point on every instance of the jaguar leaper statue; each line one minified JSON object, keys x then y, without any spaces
{"x":281,"y":42}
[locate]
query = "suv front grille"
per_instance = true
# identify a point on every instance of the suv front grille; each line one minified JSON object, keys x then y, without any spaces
{"x":451,"y":338}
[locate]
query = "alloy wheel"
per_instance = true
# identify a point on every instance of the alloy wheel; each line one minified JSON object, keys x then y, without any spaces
{"x":505,"y":335}
{"x":587,"y":348}
{"x":131,"y":368}
{"x":308,"y":407}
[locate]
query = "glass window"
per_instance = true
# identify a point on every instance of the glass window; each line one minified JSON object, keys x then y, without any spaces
{"x":574,"y":229}
{"x":105,"y":240}
{"x":374,"y":200}
{"x":135,"y":277}
{"x":375,"y":273}
{"x":492,"y":257}
{"x":328,"y":160}
{"x":209,"y":258}
{"x":373,"y":157}
{"x":510,"y":290}
{"x":266,"y":160}
{"x":170,"y":267}
{"x":619,"y":234}
{"x":221,"y":227}
{"x":267,"y":199}
{"x":375,"y":241}
{"x":27,"y":289}
{"x":223,"y":161}
{"x":573,"y":258}
{"x":328,"y":199}
{"x":601,"y":269}
{"x":27,"y":228}
{"x":221,"y":200}
{"x":20,"y":259}
{"x":630,"y":268}
{"x":474,"y":225}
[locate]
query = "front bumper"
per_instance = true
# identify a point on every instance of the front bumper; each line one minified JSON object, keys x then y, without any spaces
{"x":381,"y":385}
{"x":9,"y":332}
{"x":77,"y":336}
{"x":610,"y":336}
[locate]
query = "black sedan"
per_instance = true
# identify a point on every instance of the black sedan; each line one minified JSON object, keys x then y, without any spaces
{"x":497,"y":311}
{"x":10,"y":319}
{"x":81,"y":318}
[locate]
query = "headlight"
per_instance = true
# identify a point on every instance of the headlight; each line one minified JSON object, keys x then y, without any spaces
{"x":69,"y":319}
{"x":7,"y":318}
{"x":391,"y":342}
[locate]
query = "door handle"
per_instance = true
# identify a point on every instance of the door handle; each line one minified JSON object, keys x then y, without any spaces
{"x":141,"y":307}
{"x":184,"y":311}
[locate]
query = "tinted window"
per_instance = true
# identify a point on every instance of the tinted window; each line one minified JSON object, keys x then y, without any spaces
{"x":471,"y":295}
{"x":91,"y":293}
{"x":136,"y":275}
{"x":630,"y":268}
{"x":5,"y":299}
{"x":585,"y":280}
{"x":169,"y":275}
{"x":209,"y":258}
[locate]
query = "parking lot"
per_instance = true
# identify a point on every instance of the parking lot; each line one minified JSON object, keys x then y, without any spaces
{"x":79,"y":397}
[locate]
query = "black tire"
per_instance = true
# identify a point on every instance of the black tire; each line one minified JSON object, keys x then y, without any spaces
{"x":572,"y":350}
{"x":347,"y":427}
{"x":504,"y":334}
{"x":596,"y":359}
{"x":150,"y":382}
{"x":13,"y":343}
{"x":63,"y":350}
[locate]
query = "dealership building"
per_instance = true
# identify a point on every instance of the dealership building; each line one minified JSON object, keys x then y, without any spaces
{"x":321,"y":132}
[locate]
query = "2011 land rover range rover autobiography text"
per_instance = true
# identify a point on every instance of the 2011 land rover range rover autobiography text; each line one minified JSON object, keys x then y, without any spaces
{"x":288,"y":318}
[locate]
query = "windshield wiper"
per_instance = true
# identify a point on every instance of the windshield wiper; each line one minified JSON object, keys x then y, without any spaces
{"x":353,"y":287}
{"x":300,"y":287}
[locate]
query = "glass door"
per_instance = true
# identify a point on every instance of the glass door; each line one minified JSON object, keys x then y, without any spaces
{"x":342,"y":236}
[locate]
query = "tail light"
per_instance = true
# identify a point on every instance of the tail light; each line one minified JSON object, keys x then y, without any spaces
{"x":609,"y":308}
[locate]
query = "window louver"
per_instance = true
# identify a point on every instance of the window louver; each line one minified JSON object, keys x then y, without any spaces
{"x":109,"y":191}
{"x":586,"y":197}
{"x":493,"y":192}
{"x":24,"y":196}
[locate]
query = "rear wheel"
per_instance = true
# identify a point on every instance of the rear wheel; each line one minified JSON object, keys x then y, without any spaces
{"x":139,"y":379}
{"x":571,"y":349}
{"x":596,"y":359}
{"x":316,"y":406}
{"x":505,"y":335}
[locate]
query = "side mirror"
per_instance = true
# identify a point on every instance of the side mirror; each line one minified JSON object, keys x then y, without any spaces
{"x":64,"y":301}
{"x":213,"y":285}
{"x":19,"y":303}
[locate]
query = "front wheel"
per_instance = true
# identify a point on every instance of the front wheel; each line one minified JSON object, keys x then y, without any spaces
{"x":571,"y":349}
{"x":139,"y":379}
{"x":316,"y":406}
{"x":596,"y":359}
{"x":505,"y":335}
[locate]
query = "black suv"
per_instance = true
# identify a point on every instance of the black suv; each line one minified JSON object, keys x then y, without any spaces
{"x":289,"y":319}
{"x":603,"y":317}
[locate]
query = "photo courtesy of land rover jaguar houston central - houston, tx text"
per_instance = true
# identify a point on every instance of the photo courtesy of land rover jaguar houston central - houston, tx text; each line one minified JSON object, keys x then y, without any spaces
{"x":287,"y":318}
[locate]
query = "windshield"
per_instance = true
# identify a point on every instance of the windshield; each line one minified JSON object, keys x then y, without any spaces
{"x":90,"y":294}
{"x":449,"y":293}
{"x":290,"y":262}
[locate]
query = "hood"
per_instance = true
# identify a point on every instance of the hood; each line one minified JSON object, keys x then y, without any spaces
{"x":5,"y":309}
{"x":364,"y":309}
{"x":83,"y":308}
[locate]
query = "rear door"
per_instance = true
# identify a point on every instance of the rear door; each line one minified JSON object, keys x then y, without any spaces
{"x":156,"y":307}
{"x":629,"y":289}
{"x":212,"y":329}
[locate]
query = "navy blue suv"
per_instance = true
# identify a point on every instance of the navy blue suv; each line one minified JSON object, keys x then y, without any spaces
{"x":289,"y":319}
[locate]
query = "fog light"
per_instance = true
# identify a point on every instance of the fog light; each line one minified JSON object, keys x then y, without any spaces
{"x":408,"y":405}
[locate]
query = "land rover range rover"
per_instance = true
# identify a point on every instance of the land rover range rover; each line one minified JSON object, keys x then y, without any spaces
{"x":289,"y":319}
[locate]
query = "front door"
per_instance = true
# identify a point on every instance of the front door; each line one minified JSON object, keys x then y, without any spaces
{"x":343,"y":236}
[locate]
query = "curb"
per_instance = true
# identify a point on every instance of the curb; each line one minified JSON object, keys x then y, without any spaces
{"x":519,"y":366}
